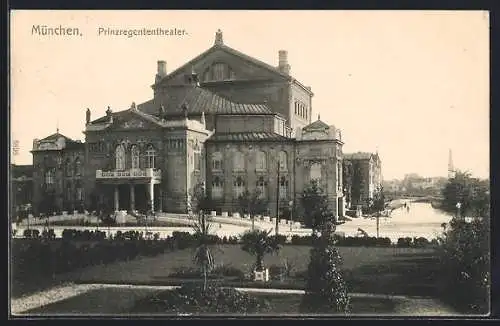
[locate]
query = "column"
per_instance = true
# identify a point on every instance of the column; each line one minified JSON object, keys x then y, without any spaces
{"x":152,"y":195}
{"x":117,"y":199}
{"x":132,"y":197}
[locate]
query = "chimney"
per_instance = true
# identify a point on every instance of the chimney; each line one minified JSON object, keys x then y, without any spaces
{"x":283,"y":65}
{"x":218,"y":38}
{"x":161,"y":71}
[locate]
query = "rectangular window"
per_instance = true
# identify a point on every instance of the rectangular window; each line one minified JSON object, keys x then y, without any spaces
{"x":217,"y":188}
{"x":79,"y":194}
{"x":283,"y":188}
{"x":197,"y":161}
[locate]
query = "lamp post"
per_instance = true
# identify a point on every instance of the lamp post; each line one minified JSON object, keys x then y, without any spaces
{"x":458,"y":209}
{"x":290,"y":203}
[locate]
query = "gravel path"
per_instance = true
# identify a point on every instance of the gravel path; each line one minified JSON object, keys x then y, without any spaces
{"x":55,"y":294}
{"x":407,"y":306}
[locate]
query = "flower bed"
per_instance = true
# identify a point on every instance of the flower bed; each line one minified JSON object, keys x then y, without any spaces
{"x":193,"y":299}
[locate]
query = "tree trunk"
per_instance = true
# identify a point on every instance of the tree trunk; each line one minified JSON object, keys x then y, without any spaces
{"x":259,"y":263}
{"x":204,"y":278}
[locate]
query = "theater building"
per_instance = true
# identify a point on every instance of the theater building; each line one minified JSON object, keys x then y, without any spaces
{"x":223,"y":119}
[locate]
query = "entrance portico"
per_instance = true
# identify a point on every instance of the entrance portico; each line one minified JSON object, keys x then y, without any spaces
{"x":138,"y":183}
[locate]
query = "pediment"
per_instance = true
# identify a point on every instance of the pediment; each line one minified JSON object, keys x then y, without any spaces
{"x":130,"y":121}
{"x":315,"y":135}
{"x":241,"y":67}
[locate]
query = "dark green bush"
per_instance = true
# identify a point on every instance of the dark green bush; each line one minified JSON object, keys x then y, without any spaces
{"x":193,"y":299}
{"x":326,"y":290}
{"x":404,"y":242}
{"x":465,"y":265}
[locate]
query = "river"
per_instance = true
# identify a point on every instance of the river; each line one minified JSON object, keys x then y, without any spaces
{"x":420,"y":221}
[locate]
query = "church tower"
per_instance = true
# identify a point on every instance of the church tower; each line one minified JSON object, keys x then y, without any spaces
{"x":451,"y":169}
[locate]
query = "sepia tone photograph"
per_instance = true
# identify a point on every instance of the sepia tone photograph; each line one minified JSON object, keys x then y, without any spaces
{"x":172,"y":163}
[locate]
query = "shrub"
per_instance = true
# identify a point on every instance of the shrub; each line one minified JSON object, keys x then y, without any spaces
{"x":326,"y":290}
{"x":404,"y":242}
{"x":228,"y":271}
{"x":465,"y":260}
{"x":192,"y":298}
{"x":280,"y":239}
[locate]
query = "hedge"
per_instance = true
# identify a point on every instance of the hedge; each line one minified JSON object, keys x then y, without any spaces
{"x":183,"y":240}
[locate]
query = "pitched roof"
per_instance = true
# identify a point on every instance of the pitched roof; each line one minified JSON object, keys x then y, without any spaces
{"x":55,"y":137}
{"x":239,"y":54}
{"x":70,"y":143}
{"x":229,"y":50}
{"x":198,"y":100}
{"x":358,"y":156}
{"x":247,"y":137}
{"x":318,"y":124}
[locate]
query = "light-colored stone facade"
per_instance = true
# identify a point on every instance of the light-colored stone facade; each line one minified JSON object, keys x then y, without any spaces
{"x":224,"y":119}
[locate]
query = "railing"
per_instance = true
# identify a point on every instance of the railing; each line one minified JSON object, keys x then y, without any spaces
{"x":129,"y":174}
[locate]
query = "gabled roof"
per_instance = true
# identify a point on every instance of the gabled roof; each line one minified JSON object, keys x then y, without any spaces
{"x":198,"y":100}
{"x":70,"y":143}
{"x":229,"y":50}
{"x":55,"y":137}
{"x":247,"y":137}
{"x":236,"y":53}
{"x":318,"y":124}
{"x":119,"y":114}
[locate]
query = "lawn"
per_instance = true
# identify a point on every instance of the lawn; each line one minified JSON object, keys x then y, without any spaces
{"x":408,"y":271}
{"x":135,"y":301}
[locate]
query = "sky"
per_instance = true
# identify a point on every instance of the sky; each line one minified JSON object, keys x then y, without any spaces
{"x":409,"y":84}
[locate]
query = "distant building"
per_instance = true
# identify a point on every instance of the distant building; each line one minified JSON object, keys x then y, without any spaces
{"x":362,"y":177}
{"x":22,"y":189}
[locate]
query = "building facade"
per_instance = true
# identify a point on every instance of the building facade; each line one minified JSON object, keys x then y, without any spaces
{"x":21,"y":190}
{"x":223,"y":119}
{"x":363,"y":175}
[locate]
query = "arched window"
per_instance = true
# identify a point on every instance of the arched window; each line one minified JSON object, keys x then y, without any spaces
{"x":261,"y":188}
{"x":283,"y":188}
{"x":238,"y":161}
{"x":78,"y":167}
{"x":120,"y":158}
{"x":217,"y":161}
{"x":150,"y":157}
{"x":261,"y":162}
{"x":134,"y":155}
{"x":217,"y":188}
{"x":283,"y":161}
{"x":68,"y":168}
{"x":50,"y":176}
{"x":315,"y":173}
{"x":239,"y":187}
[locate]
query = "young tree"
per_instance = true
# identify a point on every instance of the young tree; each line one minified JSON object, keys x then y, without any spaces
{"x":326,"y":290}
{"x":203,"y":256}
{"x":251,"y":204}
{"x":259,"y":243}
{"x":472,"y":194}
{"x":315,"y":206}
{"x":200,"y":200}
